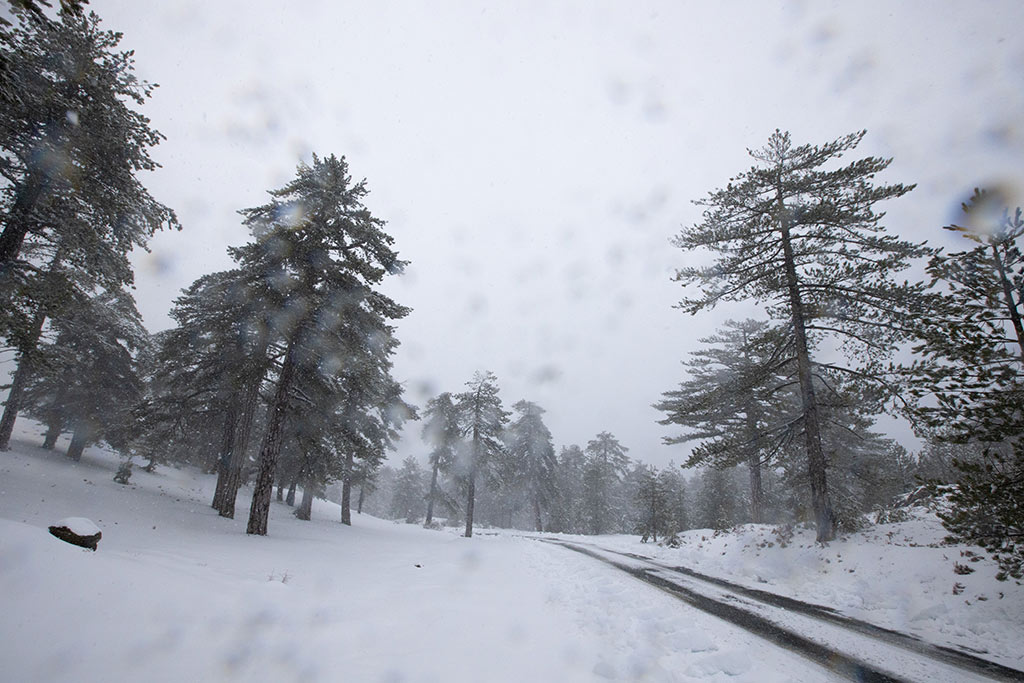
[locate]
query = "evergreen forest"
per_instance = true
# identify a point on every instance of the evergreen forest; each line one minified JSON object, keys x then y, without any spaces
{"x":278,"y":373}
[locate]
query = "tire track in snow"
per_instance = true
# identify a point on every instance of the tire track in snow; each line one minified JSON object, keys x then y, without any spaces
{"x":741,"y":606}
{"x":949,"y":655}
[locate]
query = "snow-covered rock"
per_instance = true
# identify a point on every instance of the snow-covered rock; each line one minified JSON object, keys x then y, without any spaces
{"x":78,"y":531}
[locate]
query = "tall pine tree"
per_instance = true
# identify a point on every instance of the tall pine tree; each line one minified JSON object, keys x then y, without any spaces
{"x":483,"y":420}
{"x":70,"y":149}
{"x":802,"y":236}
{"x":567,"y":515}
{"x":735,"y":401}
{"x":442,"y":432}
{"x":605,"y":468}
{"x":407,"y":498}
{"x":652,"y":498}
{"x":323,"y":251}
{"x":533,"y":456}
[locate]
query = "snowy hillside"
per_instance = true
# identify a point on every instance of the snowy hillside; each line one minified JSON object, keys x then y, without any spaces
{"x":177,"y":593}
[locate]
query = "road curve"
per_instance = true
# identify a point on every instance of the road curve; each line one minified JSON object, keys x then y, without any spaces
{"x":823,"y":635}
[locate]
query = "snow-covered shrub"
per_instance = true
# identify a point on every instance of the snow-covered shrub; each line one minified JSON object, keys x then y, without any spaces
{"x":891,"y":515}
{"x":985,"y":509}
{"x":124,"y":472}
{"x":784,"y":534}
{"x":671,"y":541}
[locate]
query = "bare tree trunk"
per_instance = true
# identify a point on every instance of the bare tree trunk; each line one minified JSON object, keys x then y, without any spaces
{"x":471,"y":489}
{"x":239,"y":453}
{"x":346,"y":490}
{"x":754,"y":465}
{"x":259,"y":511}
{"x":289,"y":498}
{"x":227,"y":448}
{"x":470,"y":495}
{"x":538,"y":522}
{"x":305,"y":509}
{"x":20,"y":381}
{"x":17,"y":219}
{"x":362,"y":496}
{"x":654,"y":515}
{"x":55,"y":420}
{"x":81,"y":438}
{"x":756,"y":493}
{"x":13,"y":404}
{"x":1011,"y":305}
{"x":243,"y":431}
{"x":346,"y":503}
{"x":53,"y":429}
{"x":280,"y":490}
{"x":430,"y":497}
{"x":820,"y":502}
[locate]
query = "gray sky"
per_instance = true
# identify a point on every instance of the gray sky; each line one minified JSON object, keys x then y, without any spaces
{"x":533,"y":159}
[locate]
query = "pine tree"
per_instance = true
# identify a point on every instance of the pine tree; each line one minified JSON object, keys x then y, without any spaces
{"x":214,"y":363}
{"x":567,"y":515}
{"x":735,"y":401}
{"x":865,"y":469}
{"x":371,"y":413}
{"x":529,"y":447}
{"x":70,"y":139}
{"x":677,"y":501}
{"x":365,"y":477}
{"x":504,"y":502}
{"x":973,"y":349}
{"x":652,"y":499}
{"x":35,"y":7}
{"x":407,"y":499}
{"x":972,"y":343}
{"x":71,"y":207}
{"x":32,"y":299}
{"x":716,"y":505}
{"x":308,"y":459}
{"x":377,"y":501}
{"x":325,"y":253}
{"x":985,"y":507}
{"x":232,"y":320}
{"x":483,"y":419}
{"x":89,"y":381}
{"x":937,"y":461}
{"x":180,"y":415}
{"x":806,"y":240}
{"x":607,"y":463}
{"x":871,"y":474}
{"x":442,"y":432}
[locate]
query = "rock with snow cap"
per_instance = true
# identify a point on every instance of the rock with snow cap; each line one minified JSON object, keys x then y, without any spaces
{"x":78,"y":531}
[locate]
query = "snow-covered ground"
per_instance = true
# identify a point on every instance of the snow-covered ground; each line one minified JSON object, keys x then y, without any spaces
{"x":177,"y":593}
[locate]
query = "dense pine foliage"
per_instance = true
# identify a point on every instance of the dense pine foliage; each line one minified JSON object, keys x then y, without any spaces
{"x":969,"y":378}
{"x":73,"y":207}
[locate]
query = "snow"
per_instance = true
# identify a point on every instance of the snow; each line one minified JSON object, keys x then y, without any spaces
{"x":898,"y":576}
{"x":177,"y":593}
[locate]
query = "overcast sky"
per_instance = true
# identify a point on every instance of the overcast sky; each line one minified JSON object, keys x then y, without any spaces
{"x":533,"y":159}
